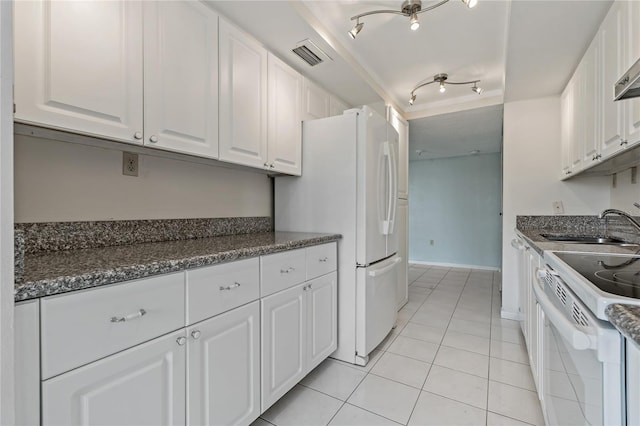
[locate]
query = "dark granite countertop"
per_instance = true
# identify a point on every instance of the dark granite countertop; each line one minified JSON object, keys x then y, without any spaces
{"x":541,"y":244}
{"x":626,"y":318}
{"x":48,"y":273}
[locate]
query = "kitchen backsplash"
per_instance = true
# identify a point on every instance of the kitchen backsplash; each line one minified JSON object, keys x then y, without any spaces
{"x":611,"y":226}
{"x":55,"y":236}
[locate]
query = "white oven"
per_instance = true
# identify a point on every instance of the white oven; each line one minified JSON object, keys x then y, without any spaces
{"x":582,"y":363}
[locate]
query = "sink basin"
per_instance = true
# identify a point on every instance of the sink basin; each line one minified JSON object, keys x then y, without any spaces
{"x":577,"y":239}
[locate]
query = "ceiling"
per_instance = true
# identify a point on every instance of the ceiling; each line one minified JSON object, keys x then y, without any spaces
{"x":519,"y":49}
{"x":456,"y":134}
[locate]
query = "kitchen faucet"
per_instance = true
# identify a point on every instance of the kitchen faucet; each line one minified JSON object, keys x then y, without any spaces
{"x":608,"y":212}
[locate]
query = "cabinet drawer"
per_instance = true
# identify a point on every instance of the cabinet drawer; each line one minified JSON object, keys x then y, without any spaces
{"x":321,"y":260}
{"x":281,"y":270}
{"x":81,"y":327}
{"x":218,"y":288}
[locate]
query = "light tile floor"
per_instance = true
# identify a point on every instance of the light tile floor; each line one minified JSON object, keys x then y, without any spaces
{"x":451,"y":360}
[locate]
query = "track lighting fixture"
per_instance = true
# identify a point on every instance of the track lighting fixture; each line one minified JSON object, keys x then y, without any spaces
{"x":442,"y":78}
{"x":410,"y":9}
{"x":356,"y":29}
{"x":413,"y":22}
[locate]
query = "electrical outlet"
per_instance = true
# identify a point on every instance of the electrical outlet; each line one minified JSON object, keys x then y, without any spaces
{"x":557,"y":207}
{"x":129,"y":164}
{"x":430,"y":242}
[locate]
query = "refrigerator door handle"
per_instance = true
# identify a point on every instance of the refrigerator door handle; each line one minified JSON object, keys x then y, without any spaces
{"x":387,"y":224}
{"x":394,"y":188}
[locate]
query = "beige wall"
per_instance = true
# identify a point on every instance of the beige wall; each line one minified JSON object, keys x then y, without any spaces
{"x":60,"y":181}
{"x":531,"y":180}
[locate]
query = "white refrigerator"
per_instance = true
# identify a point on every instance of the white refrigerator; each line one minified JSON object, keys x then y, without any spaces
{"x":349,"y":185}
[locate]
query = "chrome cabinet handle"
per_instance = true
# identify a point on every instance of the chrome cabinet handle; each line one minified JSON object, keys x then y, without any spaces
{"x":271,"y":165}
{"x":181,"y":340}
{"x":324,"y":259}
{"x":266,"y":165}
{"x":137,"y":135}
{"x":288,"y":270}
{"x":623,"y":142}
{"x":307,"y":287}
{"x":230,"y":287}
{"x":153,"y":139}
{"x":195,"y":334}
{"x":130,"y":317}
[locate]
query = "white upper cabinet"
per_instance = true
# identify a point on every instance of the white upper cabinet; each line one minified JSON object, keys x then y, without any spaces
{"x":315,"y":101}
{"x":181,"y":77}
{"x":566,"y":112}
{"x":589,"y":103}
{"x":337,"y":106}
{"x":632,"y":106}
{"x":78,"y":66}
{"x":243,"y":98}
{"x":285,"y":118}
{"x":611,"y":44}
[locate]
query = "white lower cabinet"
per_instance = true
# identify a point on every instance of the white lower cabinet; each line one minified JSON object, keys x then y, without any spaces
{"x":144,"y":385}
{"x":223,"y":379}
{"x":299,"y":330}
{"x":322,"y":318}
{"x":198,"y":347}
{"x":284,"y":348}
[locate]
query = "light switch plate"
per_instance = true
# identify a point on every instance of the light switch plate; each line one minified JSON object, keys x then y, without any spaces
{"x":558,"y":208}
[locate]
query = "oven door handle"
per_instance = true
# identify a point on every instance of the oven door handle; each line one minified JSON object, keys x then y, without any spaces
{"x":578,"y":338}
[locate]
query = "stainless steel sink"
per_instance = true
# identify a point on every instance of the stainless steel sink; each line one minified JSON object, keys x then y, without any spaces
{"x":580,"y":239}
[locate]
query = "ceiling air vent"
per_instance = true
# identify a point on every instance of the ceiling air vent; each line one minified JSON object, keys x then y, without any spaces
{"x":310,"y":53}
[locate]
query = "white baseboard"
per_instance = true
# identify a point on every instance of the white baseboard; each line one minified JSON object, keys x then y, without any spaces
{"x":454,"y":265}
{"x":509,"y":315}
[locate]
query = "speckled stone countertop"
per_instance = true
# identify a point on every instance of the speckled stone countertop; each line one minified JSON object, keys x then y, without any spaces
{"x":48,"y":273}
{"x":626,"y":318}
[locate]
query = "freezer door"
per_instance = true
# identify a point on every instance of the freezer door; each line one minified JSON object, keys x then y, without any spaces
{"x":375,"y":304}
{"x":374,"y":182}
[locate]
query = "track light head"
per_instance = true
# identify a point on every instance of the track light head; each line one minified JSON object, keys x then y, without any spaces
{"x":477,"y":89}
{"x":414,"y":24}
{"x":442,"y":88}
{"x":412,"y":98}
{"x":470,"y":3}
{"x":356,"y":29}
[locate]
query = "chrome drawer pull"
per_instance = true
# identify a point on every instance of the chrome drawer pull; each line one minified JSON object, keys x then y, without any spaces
{"x":230,"y":287}
{"x":288,"y":270}
{"x":324,"y":259}
{"x":130,"y":317}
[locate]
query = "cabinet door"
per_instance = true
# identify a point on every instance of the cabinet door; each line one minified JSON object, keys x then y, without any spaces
{"x":144,"y":385}
{"x":27,"y":363}
{"x":632,"y":106}
{"x":402,"y":287}
{"x":590,"y":105}
{"x":322,"y":318}
{"x":181,"y":77}
{"x":224,"y":368}
{"x":315,"y":101}
{"x":284,"y":348}
{"x":611,"y":45}
{"x":285,"y":118}
{"x":78,"y":66}
{"x":566,"y":105}
{"x":578,"y":130}
{"x":243,"y":98}
{"x":336,"y":106}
